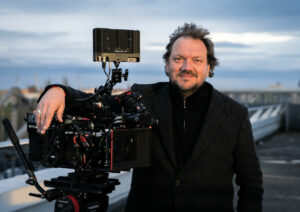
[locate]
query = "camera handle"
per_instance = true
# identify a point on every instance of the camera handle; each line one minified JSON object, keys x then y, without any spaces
{"x":113,"y":77}
{"x":32,"y":180}
{"x":117,"y":75}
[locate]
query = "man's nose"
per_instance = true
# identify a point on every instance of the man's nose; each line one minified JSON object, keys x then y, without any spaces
{"x":187,"y":65}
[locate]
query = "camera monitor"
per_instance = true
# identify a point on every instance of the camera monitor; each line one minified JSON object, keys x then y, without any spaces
{"x":116,"y":45}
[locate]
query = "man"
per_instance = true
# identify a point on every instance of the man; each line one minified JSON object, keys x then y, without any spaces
{"x":203,"y":137}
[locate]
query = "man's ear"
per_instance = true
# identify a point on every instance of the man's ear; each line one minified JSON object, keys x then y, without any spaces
{"x":208,"y":70}
{"x":167,"y":68}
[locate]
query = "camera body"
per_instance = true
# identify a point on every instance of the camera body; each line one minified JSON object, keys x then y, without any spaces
{"x":79,"y":144}
{"x":114,"y":135}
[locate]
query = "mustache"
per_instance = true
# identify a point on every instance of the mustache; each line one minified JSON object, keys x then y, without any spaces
{"x":186,"y":72}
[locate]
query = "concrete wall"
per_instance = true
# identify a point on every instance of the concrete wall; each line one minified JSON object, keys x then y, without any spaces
{"x":293,"y":117}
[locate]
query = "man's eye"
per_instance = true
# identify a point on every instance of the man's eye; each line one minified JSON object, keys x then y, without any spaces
{"x":198,"y":61}
{"x":177,"y":59}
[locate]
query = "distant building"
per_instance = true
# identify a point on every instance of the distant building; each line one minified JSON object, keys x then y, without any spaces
{"x":31,"y":92}
{"x":2,"y":92}
{"x":114,"y":92}
{"x":277,"y":85}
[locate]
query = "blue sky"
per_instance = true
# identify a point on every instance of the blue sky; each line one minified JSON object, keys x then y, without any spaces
{"x":257,"y":42}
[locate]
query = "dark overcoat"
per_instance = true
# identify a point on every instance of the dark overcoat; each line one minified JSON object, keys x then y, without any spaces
{"x":224,"y":148}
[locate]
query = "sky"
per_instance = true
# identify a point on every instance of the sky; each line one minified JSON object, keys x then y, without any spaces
{"x":257,"y":42}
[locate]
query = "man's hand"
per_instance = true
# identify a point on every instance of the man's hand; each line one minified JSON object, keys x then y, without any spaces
{"x":53,"y":101}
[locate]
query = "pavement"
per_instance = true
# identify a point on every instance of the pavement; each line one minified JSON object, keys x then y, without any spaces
{"x":280,"y":162}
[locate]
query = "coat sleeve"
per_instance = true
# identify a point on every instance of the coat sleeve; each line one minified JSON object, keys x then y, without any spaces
{"x":247,"y":169}
{"x":72,"y":106}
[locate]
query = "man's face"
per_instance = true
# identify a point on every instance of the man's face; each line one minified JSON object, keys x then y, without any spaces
{"x":187,"y":66}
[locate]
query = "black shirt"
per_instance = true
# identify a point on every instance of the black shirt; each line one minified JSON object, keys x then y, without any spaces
{"x":188,"y":118}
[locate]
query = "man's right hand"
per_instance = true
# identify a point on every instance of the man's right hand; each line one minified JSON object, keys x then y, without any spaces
{"x":52,"y":101}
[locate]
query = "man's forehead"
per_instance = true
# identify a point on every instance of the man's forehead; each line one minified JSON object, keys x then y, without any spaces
{"x":178,"y":54}
{"x":189,"y":44}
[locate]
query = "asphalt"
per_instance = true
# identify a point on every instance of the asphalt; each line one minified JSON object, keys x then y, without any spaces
{"x":280,"y":162}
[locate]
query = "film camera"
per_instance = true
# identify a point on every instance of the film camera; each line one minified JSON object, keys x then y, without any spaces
{"x":109,"y":133}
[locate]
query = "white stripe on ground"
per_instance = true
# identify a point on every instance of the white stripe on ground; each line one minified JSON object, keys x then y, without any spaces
{"x":281,"y":177}
{"x":283,"y":197}
{"x":297,"y":161}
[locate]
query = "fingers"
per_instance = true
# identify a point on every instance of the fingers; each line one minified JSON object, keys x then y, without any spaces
{"x":38,"y":118}
{"x":43,"y":117}
{"x":52,"y":101}
{"x":60,"y":112}
{"x":46,"y":119}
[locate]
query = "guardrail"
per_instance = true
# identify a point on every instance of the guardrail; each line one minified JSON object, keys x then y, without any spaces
{"x":10,"y":162}
{"x":265,"y":120}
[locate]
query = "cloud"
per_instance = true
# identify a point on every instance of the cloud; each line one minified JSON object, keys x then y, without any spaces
{"x":233,"y":8}
{"x":230,"y":45}
{"x":158,"y":48}
{"x":11,"y":35}
{"x":250,"y":35}
{"x":248,"y":38}
{"x":255,"y":15}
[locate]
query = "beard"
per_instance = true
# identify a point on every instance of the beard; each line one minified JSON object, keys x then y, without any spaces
{"x":185,"y":87}
{"x":186,"y":90}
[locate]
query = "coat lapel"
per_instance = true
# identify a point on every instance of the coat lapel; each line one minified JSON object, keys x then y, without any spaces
{"x":213,"y":120}
{"x":165,"y":122}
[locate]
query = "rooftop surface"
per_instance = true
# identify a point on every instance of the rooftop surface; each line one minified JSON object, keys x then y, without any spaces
{"x":280,"y":162}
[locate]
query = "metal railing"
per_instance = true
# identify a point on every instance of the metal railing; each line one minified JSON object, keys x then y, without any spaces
{"x":266,"y":120}
{"x":10,"y":162}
